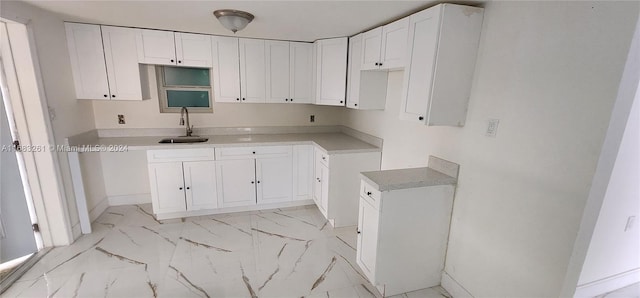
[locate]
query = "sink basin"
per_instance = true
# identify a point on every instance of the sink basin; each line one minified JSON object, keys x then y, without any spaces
{"x":182,"y":140}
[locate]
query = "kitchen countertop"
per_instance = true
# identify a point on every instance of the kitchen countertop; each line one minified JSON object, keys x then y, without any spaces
{"x":332,"y":143}
{"x":406,"y":178}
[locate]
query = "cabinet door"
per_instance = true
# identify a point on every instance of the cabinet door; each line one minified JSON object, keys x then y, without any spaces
{"x":123,"y":70}
{"x":394,"y":44}
{"x":236,"y":182}
{"x":302,"y":172}
{"x":200,"y":185}
{"x":371,"y":44}
{"x":158,"y":47}
{"x":274,"y":178}
{"x":317,"y":186}
{"x":367,"y":246}
{"x":301,"y":73}
{"x":353,"y":82}
{"x":167,"y":187}
{"x":419,"y":70}
{"x":331,"y":67}
{"x":226,"y":69}
{"x":252,"y":70}
{"x":193,"y":49}
{"x":278,"y":68}
{"x":87,"y":61}
{"x":324,"y":180}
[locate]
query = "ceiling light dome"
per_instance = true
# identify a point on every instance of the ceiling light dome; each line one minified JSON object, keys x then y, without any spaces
{"x":234,"y":20}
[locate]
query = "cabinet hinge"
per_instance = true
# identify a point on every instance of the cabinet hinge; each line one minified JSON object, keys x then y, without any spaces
{"x":35,"y":227}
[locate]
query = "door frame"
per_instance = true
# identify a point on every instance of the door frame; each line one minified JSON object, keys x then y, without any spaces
{"x":25,"y":92}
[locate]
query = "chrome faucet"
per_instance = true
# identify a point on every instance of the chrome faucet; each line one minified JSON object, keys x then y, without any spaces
{"x":189,"y":128}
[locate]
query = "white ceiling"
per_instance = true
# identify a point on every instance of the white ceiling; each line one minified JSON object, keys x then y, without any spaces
{"x":287,"y":20}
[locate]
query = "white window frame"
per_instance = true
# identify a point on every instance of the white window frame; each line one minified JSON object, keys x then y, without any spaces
{"x":163,"y":88}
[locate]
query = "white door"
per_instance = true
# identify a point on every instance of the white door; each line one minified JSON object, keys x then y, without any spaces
{"x":301,"y":73}
{"x":418,"y":74}
{"x":252,"y":70}
{"x":158,"y":47}
{"x":225,"y":69}
{"x":87,"y":61}
{"x":236,"y":182}
{"x":123,"y":70}
{"x":331,"y":66}
{"x":17,"y":238}
{"x":193,"y":50}
{"x":353,"y":82}
{"x":371,"y":44}
{"x":274,"y":178}
{"x":367,"y":246}
{"x":278,"y":71}
{"x":167,"y":187}
{"x":200,"y":185}
{"x":394,"y":44}
{"x":302,"y":172}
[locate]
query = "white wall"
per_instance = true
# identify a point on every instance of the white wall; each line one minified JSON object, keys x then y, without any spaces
{"x":550,"y":72}
{"x":71,"y":116}
{"x":146,"y":114}
{"x":613,"y":250}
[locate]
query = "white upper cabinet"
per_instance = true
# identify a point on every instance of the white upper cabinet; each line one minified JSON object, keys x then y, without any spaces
{"x":252,"y":70}
{"x":123,"y":70}
{"x":278,"y":71}
{"x":104,"y":62}
{"x":301,"y":72}
{"x":441,"y":55}
{"x":193,"y":50}
{"x":331,"y":71}
{"x":225,"y":69}
{"x":385,"y":47}
{"x":87,"y":61}
{"x":371,"y":86}
{"x":157,"y":47}
{"x":174,"y":48}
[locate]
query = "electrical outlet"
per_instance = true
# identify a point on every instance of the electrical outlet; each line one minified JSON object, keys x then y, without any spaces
{"x":312,"y":118}
{"x":121,"y":119}
{"x":492,"y":128}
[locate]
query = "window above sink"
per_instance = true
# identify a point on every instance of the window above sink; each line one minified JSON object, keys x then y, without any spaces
{"x":184,"y":87}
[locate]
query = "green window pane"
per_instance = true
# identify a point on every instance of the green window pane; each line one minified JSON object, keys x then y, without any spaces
{"x":184,"y":76}
{"x":180,"y":98}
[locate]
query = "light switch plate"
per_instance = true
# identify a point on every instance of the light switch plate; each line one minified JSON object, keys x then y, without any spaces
{"x":492,"y":127}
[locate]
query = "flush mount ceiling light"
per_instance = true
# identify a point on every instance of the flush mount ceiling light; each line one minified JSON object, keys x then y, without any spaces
{"x":233,"y":20}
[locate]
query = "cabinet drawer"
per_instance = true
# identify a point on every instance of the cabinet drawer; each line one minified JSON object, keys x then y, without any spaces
{"x":370,"y":194}
{"x":321,"y":157}
{"x":252,"y":152}
{"x":169,"y":155}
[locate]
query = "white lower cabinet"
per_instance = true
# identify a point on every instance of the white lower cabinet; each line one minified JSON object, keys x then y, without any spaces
{"x":402,"y":236}
{"x":302,"y":172}
{"x":336,"y":184}
{"x":254,"y":175}
{"x":179,"y":184}
{"x":236,"y":182}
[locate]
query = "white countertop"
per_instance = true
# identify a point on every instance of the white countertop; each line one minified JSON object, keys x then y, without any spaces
{"x":332,"y":143}
{"x":406,"y":178}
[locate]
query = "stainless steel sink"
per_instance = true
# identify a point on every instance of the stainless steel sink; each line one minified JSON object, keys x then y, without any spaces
{"x":182,"y":140}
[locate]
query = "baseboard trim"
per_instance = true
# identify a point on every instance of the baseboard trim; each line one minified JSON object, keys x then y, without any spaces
{"x":144,"y":198}
{"x":608,"y":284}
{"x":172,"y":215}
{"x":453,"y":287}
{"x":98,"y":209}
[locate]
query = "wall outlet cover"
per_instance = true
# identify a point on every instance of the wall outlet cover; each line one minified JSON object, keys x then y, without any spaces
{"x":492,"y":127}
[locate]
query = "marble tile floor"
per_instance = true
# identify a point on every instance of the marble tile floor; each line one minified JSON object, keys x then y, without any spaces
{"x":290,"y":252}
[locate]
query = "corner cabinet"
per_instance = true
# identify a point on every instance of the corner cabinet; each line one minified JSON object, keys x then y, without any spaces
{"x":104,"y":62}
{"x":182,"y":180}
{"x":441,"y":55}
{"x":336,"y":183}
{"x":366,"y":90}
{"x":331,"y":71}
